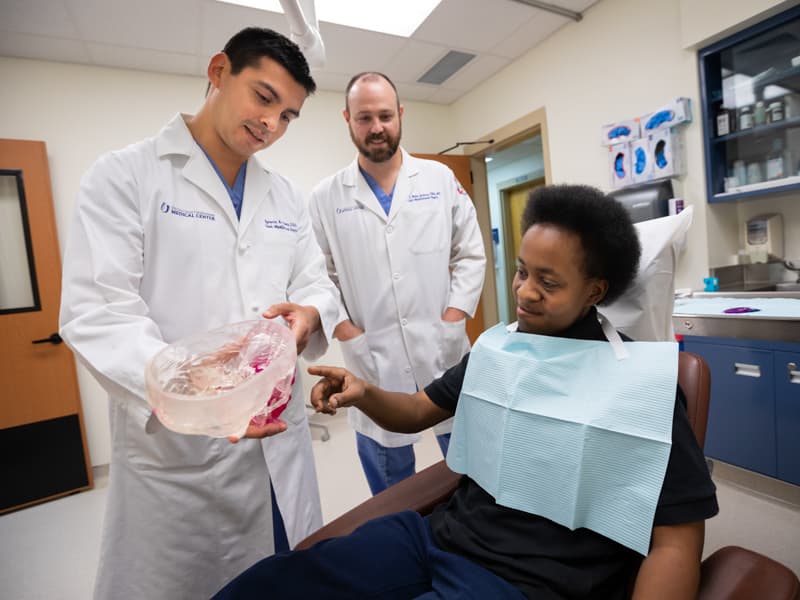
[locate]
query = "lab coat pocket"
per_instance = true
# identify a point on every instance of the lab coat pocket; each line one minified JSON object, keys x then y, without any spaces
{"x":453,"y":344}
{"x":153,"y":446}
{"x":358,"y":359}
{"x":431,"y":232}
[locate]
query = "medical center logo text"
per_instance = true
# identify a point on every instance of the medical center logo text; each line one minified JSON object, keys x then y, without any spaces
{"x":190,"y":214}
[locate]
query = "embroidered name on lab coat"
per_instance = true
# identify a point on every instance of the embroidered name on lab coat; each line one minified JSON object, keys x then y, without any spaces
{"x":190,"y":214}
{"x":278,"y":224}
{"x":425,"y":196}
{"x":348,"y":209}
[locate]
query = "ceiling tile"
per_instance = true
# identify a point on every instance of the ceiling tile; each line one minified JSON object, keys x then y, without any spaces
{"x":41,"y":17}
{"x":410,"y":91}
{"x":475,"y":25}
{"x":475,"y":71}
{"x":350,"y":50}
{"x":143,"y":60}
{"x":43,"y":48}
{"x":445,"y":96}
{"x":154,"y":24}
{"x":530,"y":34}
{"x":413,"y":59}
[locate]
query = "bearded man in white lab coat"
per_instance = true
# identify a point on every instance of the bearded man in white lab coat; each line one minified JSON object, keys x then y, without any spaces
{"x":179,"y":234}
{"x":402,"y":243}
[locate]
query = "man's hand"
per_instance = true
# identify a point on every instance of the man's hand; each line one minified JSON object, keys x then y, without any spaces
{"x":347,"y":330}
{"x":303,"y":321}
{"x":261,"y":431}
{"x":454,"y":314}
{"x":338,"y":387}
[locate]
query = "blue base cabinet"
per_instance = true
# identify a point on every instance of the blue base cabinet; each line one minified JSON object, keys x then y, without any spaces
{"x":754,"y":414}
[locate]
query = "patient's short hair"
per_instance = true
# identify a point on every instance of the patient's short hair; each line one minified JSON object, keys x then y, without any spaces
{"x":609,"y":239}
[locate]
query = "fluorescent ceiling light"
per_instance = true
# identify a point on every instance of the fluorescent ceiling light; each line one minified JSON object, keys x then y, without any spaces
{"x":396,"y":18}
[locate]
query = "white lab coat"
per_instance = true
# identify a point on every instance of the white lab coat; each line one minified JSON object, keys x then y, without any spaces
{"x":156,"y":253}
{"x":398,"y":273}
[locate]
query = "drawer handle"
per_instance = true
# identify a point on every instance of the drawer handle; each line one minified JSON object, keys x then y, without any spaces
{"x":794,"y":372}
{"x":746,"y":370}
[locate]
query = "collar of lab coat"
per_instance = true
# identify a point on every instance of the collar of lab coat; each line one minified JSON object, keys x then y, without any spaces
{"x":175,"y":138}
{"x":402,"y":187}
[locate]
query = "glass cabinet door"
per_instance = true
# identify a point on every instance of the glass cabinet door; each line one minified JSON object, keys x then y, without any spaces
{"x":751,"y":108}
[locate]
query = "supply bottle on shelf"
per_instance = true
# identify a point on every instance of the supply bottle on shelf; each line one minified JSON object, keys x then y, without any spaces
{"x":724,"y":121}
{"x":776,"y":163}
{"x":760,"y":114}
{"x":745,"y":118}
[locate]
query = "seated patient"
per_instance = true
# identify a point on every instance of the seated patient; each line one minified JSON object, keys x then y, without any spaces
{"x":578,"y":249}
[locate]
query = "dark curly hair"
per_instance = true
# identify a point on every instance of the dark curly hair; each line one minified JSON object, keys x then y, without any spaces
{"x":250,"y":45}
{"x":610,"y":243}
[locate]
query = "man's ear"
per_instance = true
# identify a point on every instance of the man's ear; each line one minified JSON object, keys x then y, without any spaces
{"x":346,"y":115}
{"x":401,"y":110}
{"x":216,"y":67}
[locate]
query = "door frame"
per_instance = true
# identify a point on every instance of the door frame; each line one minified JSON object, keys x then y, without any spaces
{"x":533,"y":123}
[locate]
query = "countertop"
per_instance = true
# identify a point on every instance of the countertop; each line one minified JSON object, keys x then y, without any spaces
{"x":702,"y":313}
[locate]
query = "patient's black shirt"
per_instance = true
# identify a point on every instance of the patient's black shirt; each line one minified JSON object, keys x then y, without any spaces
{"x":547,"y":560}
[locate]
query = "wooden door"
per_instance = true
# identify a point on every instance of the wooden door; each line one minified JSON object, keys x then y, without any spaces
{"x":43,"y":451}
{"x":461,"y":167}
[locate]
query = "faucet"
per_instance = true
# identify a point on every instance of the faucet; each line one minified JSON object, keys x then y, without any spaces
{"x":793,"y":265}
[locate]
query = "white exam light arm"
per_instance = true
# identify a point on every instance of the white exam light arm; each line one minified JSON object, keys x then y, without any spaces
{"x":304,"y":29}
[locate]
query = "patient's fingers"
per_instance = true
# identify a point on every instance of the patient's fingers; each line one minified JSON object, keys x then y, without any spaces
{"x":338,"y":387}
{"x":320,"y":395}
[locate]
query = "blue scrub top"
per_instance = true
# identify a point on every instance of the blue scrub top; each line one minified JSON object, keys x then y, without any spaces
{"x":384,"y":199}
{"x":236,"y":192}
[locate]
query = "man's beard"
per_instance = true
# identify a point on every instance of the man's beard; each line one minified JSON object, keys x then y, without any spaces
{"x":377,"y":155}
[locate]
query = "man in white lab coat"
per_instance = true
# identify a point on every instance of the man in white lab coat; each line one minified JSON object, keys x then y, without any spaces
{"x":402,"y":243}
{"x":175,"y":235}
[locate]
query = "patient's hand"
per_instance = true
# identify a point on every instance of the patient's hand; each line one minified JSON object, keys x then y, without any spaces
{"x":338,"y":387}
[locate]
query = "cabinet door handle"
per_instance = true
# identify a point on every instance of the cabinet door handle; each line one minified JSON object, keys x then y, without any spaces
{"x":794,"y":372}
{"x":746,"y":370}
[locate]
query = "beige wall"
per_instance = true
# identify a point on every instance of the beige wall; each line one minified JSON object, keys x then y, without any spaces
{"x":625,"y":58}
{"x":81,"y":112}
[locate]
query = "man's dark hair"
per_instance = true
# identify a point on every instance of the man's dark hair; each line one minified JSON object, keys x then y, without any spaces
{"x":610,"y":242}
{"x":368,"y":76}
{"x":250,"y":45}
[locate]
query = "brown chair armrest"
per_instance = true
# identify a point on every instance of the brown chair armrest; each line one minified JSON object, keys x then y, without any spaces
{"x":420,"y":492}
{"x":733,"y":573}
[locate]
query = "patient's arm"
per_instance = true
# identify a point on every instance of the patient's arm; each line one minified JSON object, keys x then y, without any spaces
{"x":672,"y":568}
{"x":395,"y":411}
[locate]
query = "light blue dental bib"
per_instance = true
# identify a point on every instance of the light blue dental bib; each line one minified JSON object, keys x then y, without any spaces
{"x":576,"y":431}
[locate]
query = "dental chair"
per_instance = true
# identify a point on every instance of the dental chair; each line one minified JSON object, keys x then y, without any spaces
{"x":730,"y":573}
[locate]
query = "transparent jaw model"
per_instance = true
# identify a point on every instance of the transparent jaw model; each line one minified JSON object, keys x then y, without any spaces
{"x":217,"y":382}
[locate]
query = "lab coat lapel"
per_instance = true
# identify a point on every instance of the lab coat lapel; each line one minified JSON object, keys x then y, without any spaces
{"x":361,"y":191}
{"x":175,"y":138}
{"x":199,"y":171}
{"x":406,"y":180}
{"x":257,"y":183}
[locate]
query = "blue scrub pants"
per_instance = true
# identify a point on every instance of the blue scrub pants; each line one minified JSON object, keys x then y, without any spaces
{"x":278,"y":528}
{"x":391,"y":558}
{"x":385,"y":466}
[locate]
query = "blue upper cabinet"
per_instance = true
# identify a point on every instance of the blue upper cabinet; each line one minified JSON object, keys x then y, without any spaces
{"x":750,"y":87}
